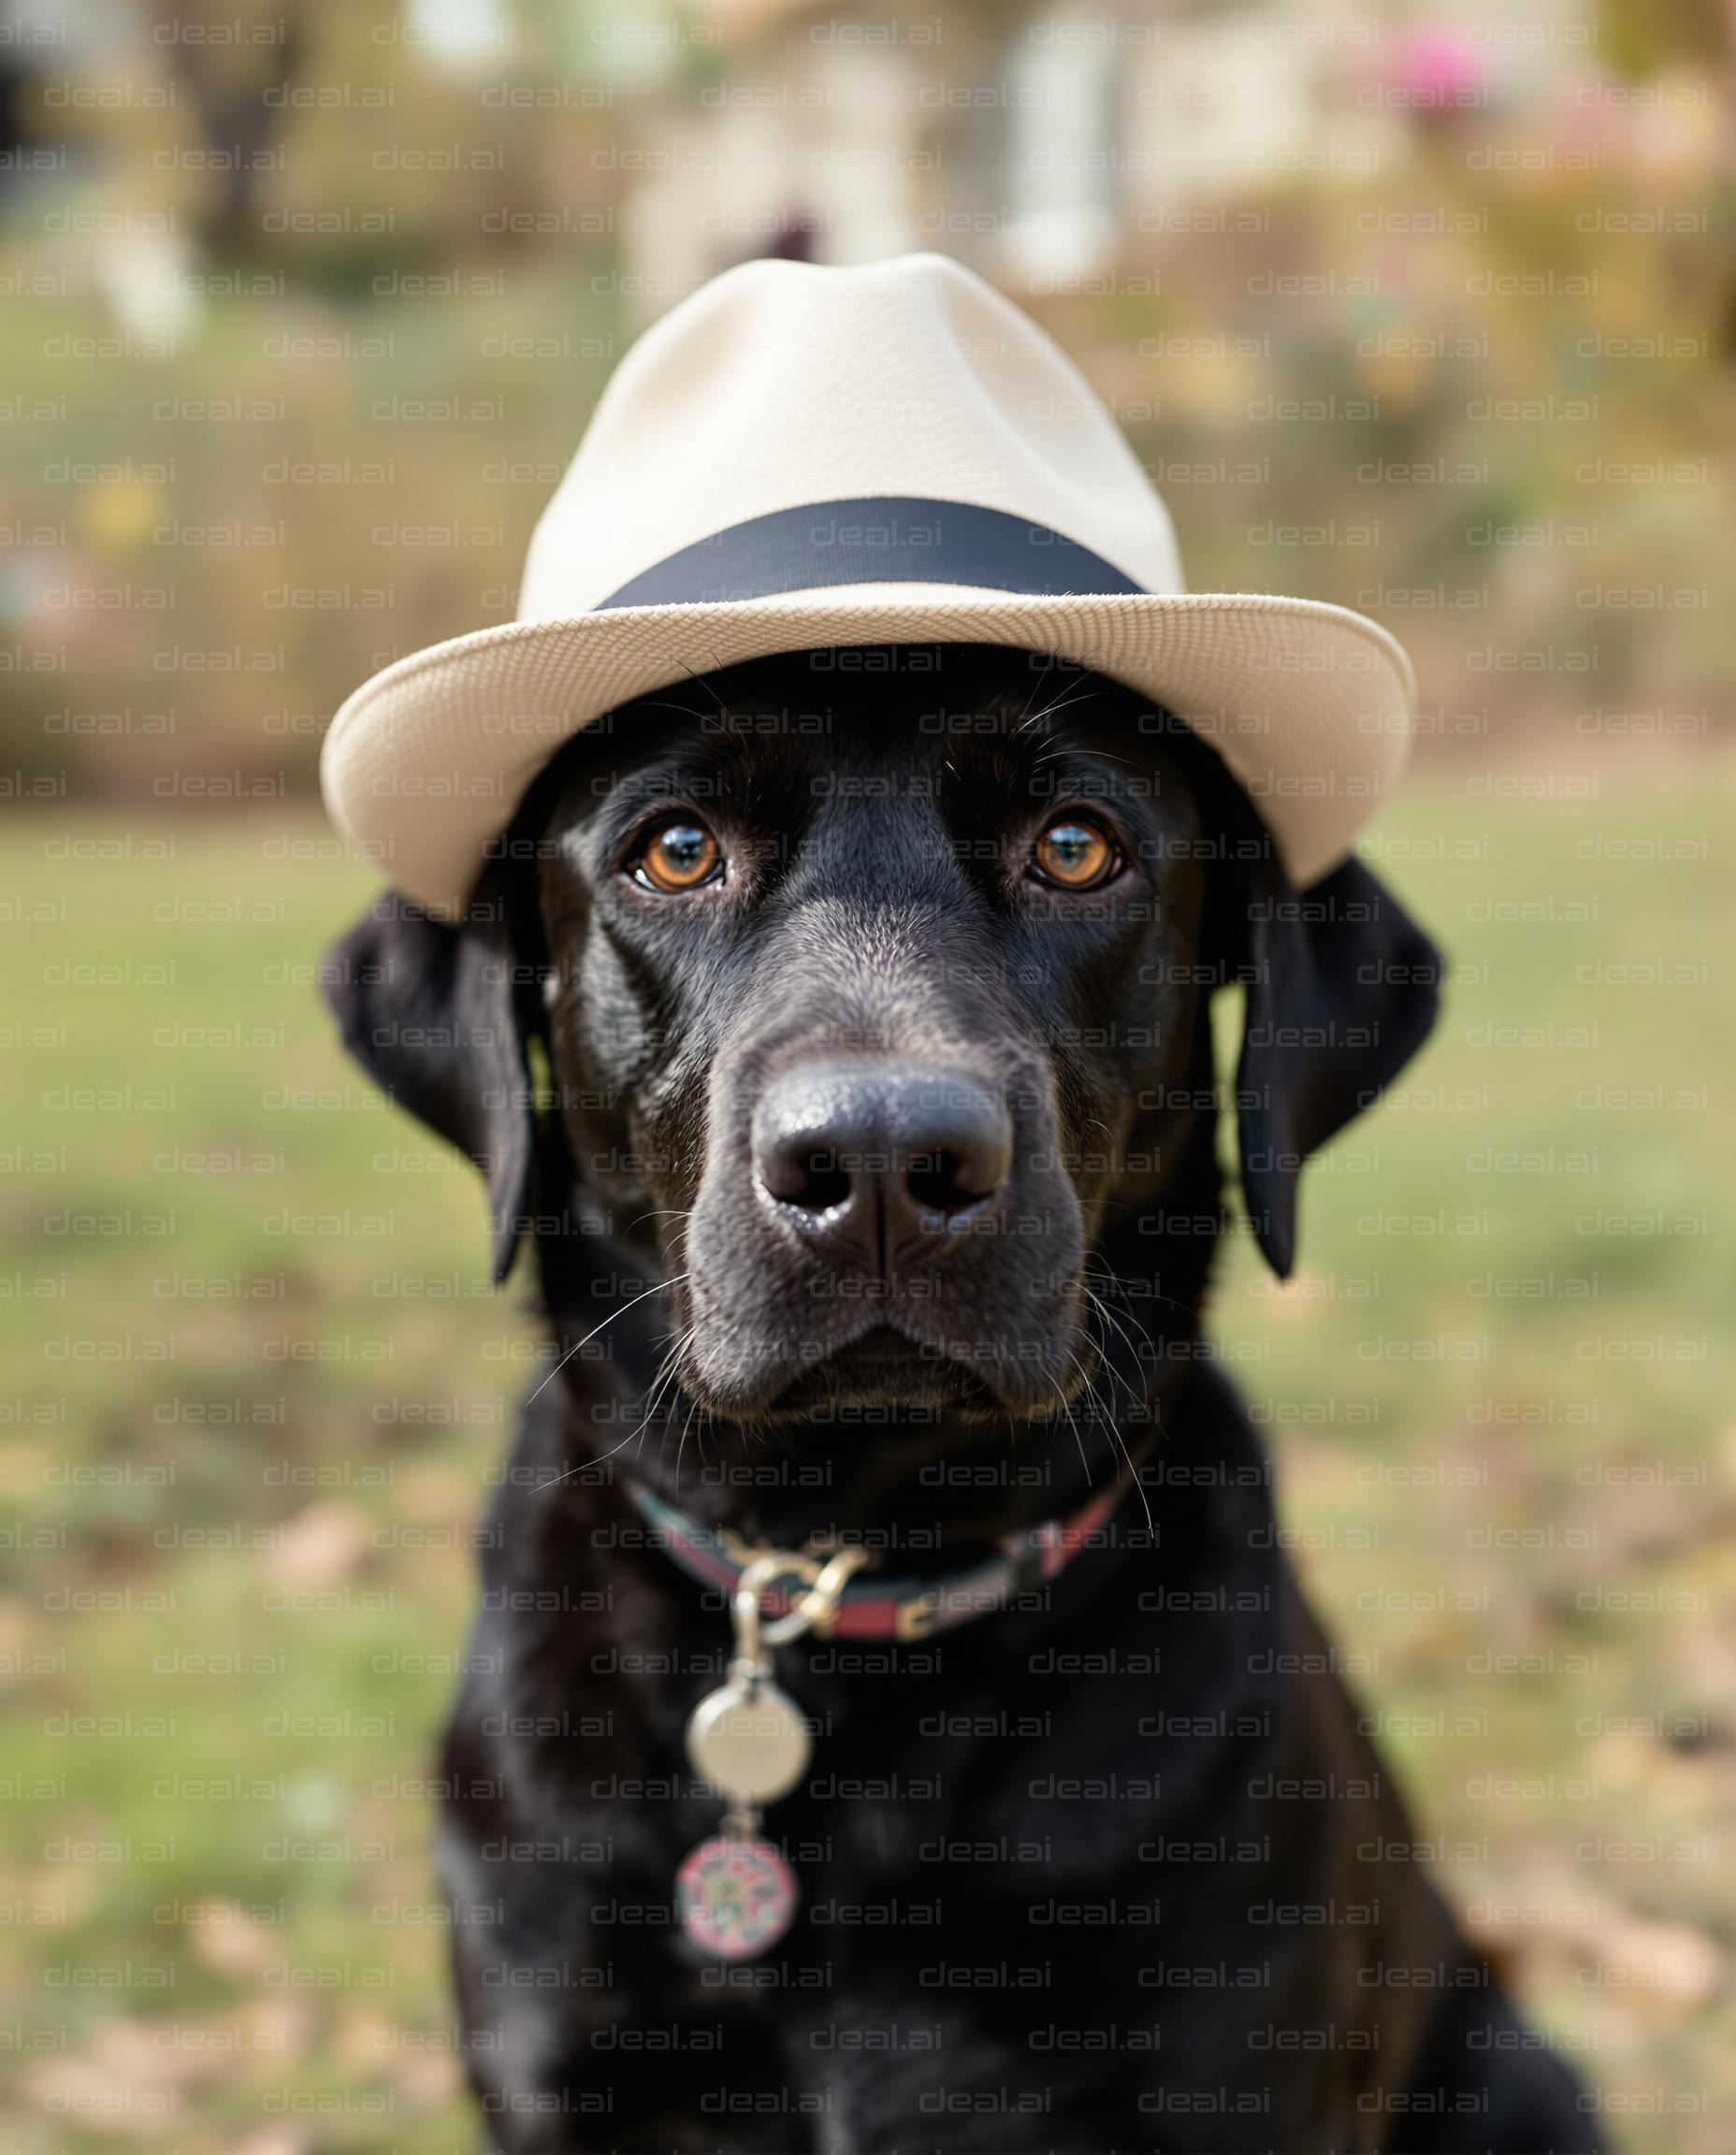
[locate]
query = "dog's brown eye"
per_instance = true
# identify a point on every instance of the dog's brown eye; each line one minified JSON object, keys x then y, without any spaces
{"x":679,"y":855}
{"x":1075,"y":855}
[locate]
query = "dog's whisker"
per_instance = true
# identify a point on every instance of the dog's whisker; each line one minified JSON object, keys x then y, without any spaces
{"x":1063,"y":702}
{"x":676,"y":710}
{"x":1142,"y":1398}
{"x":1103,"y":1310}
{"x":1036,"y":682}
{"x":666,"y":1365}
{"x":1117,"y":1442}
{"x":1067,"y":1409}
{"x":700,"y":681}
{"x":1100,"y":1409}
{"x":693,"y":1407}
{"x":650,"y":1407}
{"x":665,"y":1376}
{"x":662,"y":1286}
{"x":698,"y":1434}
{"x":1024,"y":722}
{"x":1115,"y":1280}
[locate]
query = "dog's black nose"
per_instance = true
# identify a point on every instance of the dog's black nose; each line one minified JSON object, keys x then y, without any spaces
{"x":880,"y":1166}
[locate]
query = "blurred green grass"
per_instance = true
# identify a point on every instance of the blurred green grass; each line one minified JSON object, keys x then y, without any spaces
{"x":256,"y":1384}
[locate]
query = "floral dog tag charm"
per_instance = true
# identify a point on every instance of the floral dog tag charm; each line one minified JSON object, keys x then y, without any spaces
{"x":737,"y":1897}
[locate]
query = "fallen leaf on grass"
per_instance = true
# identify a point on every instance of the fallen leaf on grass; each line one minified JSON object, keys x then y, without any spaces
{"x":1661,"y":1970}
{"x":104,"y":2101}
{"x":228,"y":1941}
{"x":1561,"y":1929}
{"x":370,"y":2044}
{"x":320,"y":1546}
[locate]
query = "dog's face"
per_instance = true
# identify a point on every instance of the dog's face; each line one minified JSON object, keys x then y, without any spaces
{"x":859,"y":997}
{"x":874,"y":1002}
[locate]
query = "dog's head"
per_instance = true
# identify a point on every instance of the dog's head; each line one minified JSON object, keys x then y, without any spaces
{"x":873,"y":989}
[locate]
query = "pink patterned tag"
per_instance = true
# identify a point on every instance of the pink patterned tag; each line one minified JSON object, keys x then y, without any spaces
{"x":737,"y":1897}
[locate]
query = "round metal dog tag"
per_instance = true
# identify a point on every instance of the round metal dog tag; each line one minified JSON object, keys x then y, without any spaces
{"x":737,"y":1897}
{"x":747,"y":1742}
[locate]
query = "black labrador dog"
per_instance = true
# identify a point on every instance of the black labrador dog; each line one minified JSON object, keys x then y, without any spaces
{"x":836,"y":1029}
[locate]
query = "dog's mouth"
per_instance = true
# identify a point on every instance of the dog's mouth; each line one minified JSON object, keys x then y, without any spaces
{"x":885,"y":1367}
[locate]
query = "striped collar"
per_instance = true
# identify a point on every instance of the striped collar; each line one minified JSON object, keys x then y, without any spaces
{"x":901,"y":1609}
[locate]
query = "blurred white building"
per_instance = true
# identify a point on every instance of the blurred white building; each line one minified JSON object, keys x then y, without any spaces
{"x":1055,"y":149}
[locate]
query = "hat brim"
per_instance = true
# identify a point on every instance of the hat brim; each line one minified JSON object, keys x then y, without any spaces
{"x":1310,"y":705}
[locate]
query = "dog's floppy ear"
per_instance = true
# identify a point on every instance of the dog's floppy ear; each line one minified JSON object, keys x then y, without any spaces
{"x":432,"y":1013}
{"x":1342,"y":988}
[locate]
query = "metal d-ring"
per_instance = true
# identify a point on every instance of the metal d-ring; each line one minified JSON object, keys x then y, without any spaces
{"x":752,"y":1635}
{"x":812,"y":1611}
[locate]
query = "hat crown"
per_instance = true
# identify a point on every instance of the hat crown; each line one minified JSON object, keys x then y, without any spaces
{"x":781,"y":385}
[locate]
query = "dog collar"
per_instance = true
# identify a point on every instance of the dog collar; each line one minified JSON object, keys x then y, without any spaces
{"x":749,"y":1744}
{"x":884,"y":1609}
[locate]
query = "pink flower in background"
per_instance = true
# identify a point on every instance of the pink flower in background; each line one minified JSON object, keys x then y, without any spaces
{"x":1436,"y":66}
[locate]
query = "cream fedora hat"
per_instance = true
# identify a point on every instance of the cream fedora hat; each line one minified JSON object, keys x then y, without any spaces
{"x":798,"y":458}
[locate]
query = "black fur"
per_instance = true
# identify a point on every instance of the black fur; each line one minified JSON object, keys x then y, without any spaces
{"x":1113,"y":1869}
